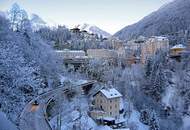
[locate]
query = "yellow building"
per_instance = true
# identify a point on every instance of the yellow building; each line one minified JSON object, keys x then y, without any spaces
{"x":107,"y":105}
{"x":177,"y":50}
{"x":152,"y":45}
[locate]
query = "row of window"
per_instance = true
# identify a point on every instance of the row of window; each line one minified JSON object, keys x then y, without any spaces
{"x":112,"y":113}
{"x":105,"y":101}
{"x":110,"y":107}
{"x":115,"y":106}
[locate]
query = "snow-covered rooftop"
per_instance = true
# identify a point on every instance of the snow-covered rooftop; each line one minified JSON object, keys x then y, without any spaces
{"x":159,"y":38}
{"x":178,"y":46}
{"x":79,"y":82}
{"x":72,"y":51}
{"x":111,"y":93}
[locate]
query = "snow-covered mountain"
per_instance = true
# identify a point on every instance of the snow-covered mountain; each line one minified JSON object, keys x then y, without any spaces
{"x":37,"y":22}
{"x":93,"y":29}
{"x":170,"y":18}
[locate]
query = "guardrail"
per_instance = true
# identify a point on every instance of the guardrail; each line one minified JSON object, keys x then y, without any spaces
{"x":45,"y":113}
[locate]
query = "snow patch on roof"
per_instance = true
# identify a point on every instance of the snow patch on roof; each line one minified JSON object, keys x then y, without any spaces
{"x":71,"y":51}
{"x":178,"y":46}
{"x":111,"y":93}
{"x":79,"y":82}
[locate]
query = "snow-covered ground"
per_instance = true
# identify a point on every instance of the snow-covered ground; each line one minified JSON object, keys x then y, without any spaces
{"x":5,"y":124}
{"x":75,"y":114}
{"x":169,"y":93}
{"x":134,"y":119}
{"x":186,"y":123}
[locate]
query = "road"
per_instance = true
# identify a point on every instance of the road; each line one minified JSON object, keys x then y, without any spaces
{"x":33,"y":117}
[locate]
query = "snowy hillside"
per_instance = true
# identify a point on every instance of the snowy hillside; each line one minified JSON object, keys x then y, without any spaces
{"x":170,"y":18}
{"x":93,"y":29}
{"x":22,"y":69}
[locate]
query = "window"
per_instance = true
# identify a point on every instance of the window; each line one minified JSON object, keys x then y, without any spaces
{"x":110,"y":107}
{"x":115,"y":105}
{"x":110,"y":113}
{"x":110,"y":101}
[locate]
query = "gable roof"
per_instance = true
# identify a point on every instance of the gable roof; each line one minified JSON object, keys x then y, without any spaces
{"x":110,"y":93}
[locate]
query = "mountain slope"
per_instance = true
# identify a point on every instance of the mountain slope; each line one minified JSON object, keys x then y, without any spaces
{"x":170,"y":18}
{"x":93,"y":29}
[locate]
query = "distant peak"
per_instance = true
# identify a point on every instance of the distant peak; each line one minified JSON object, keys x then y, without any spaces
{"x":37,"y":19}
{"x":15,"y":6}
{"x":93,"y":29}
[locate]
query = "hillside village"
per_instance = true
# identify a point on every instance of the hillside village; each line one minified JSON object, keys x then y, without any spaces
{"x":56,"y":78}
{"x":134,"y":52}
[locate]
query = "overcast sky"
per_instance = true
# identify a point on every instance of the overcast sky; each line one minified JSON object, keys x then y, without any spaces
{"x":110,"y":15}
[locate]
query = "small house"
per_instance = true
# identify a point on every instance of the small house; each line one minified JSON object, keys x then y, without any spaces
{"x":107,"y":106}
{"x":177,"y":50}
